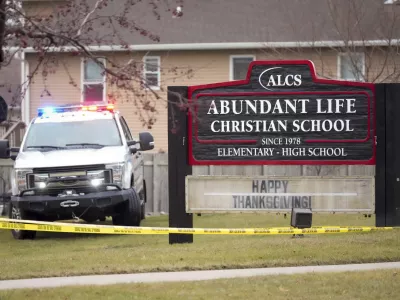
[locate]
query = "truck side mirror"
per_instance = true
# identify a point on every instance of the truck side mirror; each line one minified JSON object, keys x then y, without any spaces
{"x":132,"y":143}
{"x":133,"y":150}
{"x":4,"y":149}
{"x":146,"y":141}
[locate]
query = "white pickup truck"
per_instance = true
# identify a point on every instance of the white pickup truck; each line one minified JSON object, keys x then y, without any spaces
{"x":78,"y":162}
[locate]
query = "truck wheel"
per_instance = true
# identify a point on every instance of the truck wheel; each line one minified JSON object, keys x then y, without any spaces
{"x":20,"y":214}
{"x":143,"y":211}
{"x":131,"y":215}
{"x":144,"y":191}
{"x":143,"y":208}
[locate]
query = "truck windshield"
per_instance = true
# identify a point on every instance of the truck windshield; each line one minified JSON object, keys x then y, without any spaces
{"x":60,"y":135}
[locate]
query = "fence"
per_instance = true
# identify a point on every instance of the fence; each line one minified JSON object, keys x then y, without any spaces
{"x":13,"y":130}
{"x":156,"y":176}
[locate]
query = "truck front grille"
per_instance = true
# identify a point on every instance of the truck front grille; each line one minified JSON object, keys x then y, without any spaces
{"x":79,"y":190}
{"x":70,"y":169}
{"x":68,"y":177}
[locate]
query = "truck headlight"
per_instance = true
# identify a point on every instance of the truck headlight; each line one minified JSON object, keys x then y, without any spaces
{"x":117,"y":172}
{"x":99,"y":177}
{"x":21,"y":177}
{"x":37,"y":181}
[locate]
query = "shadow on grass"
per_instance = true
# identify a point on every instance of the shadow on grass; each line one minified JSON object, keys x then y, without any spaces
{"x":69,"y":235}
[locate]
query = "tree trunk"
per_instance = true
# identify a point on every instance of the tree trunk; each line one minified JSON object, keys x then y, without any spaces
{"x":2,"y":27}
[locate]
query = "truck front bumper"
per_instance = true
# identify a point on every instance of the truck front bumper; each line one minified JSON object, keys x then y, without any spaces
{"x":56,"y":205}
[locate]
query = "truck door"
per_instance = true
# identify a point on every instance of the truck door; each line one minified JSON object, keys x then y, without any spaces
{"x":137,"y":161}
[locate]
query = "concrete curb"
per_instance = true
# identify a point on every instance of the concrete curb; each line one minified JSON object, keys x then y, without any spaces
{"x":184,"y":276}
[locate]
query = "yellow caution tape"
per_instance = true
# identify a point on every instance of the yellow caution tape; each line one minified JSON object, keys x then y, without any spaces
{"x":109,"y":229}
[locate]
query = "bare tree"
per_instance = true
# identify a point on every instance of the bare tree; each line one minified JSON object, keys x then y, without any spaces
{"x":76,"y":28}
{"x":2,"y":27}
{"x":365,"y":33}
{"x":368,"y":38}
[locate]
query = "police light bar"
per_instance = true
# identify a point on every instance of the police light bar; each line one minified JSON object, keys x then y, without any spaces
{"x":71,"y":108}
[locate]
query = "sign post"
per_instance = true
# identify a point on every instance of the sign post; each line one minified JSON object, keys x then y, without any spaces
{"x":178,"y":166}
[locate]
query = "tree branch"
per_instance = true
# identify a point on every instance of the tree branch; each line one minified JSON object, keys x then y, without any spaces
{"x":96,"y":6}
{"x":2,"y":26}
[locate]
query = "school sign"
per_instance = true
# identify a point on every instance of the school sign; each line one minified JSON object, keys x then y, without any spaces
{"x":282,"y":114}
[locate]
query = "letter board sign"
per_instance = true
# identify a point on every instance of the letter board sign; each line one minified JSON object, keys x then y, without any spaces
{"x":282,"y":114}
{"x":230,"y":194}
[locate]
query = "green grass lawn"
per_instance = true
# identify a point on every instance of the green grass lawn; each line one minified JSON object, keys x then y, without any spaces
{"x":366,"y":285}
{"x":63,"y":254}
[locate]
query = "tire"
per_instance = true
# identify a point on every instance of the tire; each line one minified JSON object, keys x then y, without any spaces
{"x":20,"y":214}
{"x":143,"y":212}
{"x":131,"y":214}
{"x":144,"y":192}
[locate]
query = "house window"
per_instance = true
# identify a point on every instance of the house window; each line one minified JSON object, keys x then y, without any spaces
{"x":151,"y":70}
{"x":239,"y":65}
{"x":93,"y":84}
{"x":351,"y":66}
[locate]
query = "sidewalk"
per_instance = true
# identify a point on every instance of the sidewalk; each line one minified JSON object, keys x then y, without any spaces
{"x":184,"y":276}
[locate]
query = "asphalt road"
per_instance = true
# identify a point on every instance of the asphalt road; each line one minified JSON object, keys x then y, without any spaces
{"x":184,"y":276}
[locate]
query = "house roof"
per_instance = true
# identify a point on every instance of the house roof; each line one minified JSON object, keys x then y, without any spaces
{"x":250,"y":21}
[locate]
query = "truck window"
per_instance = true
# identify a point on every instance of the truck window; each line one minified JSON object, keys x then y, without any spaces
{"x":125,"y":127}
{"x":60,"y":134}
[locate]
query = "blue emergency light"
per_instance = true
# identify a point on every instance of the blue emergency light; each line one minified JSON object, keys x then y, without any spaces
{"x":49,"y":110}
{"x":46,"y":111}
